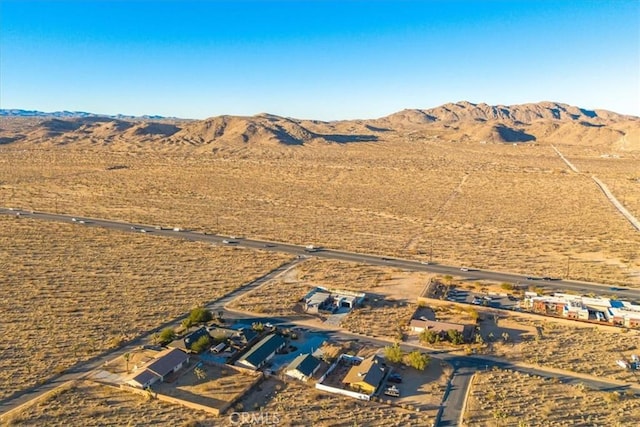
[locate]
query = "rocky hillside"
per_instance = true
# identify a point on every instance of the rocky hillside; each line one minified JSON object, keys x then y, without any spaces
{"x":544,"y":122}
{"x":541,"y":122}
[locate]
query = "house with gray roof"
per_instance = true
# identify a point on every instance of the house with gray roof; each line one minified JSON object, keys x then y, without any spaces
{"x":262,"y":352}
{"x":166,"y":362}
{"x":189,"y":339}
{"x":303,"y":367}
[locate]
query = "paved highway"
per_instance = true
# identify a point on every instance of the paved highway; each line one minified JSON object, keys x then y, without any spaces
{"x":583,"y":287}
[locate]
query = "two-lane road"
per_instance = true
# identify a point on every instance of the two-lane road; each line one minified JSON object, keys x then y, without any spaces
{"x":474,"y":274}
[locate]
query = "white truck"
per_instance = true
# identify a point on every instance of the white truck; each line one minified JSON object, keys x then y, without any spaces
{"x":311,"y":248}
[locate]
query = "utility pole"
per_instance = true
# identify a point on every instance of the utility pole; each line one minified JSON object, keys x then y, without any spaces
{"x":568,"y":263}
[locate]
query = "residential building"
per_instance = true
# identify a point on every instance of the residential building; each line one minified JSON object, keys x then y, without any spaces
{"x":421,"y":325}
{"x":165,"y":363}
{"x":367,"y":376}
{"x":189,"y":339}
{"x":262,"y":352}
{"x":303,"y":367}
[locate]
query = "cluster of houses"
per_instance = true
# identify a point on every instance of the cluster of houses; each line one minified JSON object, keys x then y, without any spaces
{"x":255,"y":354}
{"x":327,"y":300}
{"x":620,"y":313}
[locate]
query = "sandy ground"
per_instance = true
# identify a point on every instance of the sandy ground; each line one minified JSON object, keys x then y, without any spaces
{"x":490,"y":206}
{"x":70,"y":292}
{"x":504,"y":398}
{"x":91,"y":404}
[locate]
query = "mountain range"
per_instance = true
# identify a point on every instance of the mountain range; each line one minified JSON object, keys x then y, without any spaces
{"x":543,"y":122}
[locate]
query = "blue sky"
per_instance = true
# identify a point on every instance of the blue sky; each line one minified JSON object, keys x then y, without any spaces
{"x":315,"y":59}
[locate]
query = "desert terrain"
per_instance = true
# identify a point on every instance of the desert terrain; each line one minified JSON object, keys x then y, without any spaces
{"x":92,"y":404}
{"x":463,"y":184}
{"x":410,"y":190}
{"x":505,"y":398}
{"x":70,"y":292}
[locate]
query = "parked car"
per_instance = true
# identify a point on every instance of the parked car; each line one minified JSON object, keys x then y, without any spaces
{"x":395,"y":378}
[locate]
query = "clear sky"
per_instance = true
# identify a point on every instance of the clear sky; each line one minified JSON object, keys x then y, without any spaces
{"x":315,"y":59}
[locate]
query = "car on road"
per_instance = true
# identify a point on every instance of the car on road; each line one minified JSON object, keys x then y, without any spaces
{"x":229,"y":242}
{"x":424,"y":262}
{"x":269,"y":245}
{"x":74,"y":219}
{"x":143,"y":230}
{"x":464,"y":268}
{"x":532,"y":278}
{"x":384,"y":258}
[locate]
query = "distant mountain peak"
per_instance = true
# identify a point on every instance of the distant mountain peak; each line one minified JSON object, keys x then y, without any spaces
{"x":74,"y":115}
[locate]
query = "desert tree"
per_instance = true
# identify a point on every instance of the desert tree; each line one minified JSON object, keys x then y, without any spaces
{"x":166,"y":336}
{"x":201,"y":344}
{"x":455,"y":337}
{"x":429,"y":336}
{"x":127,"y":358}
{"x":199,"y":373}
{"x":417,"y":360}
{"x":393,"y":353}
{"x":199,"y":315}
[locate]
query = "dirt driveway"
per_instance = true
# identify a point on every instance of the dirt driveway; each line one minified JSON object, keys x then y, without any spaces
{"x":420,"y":389}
